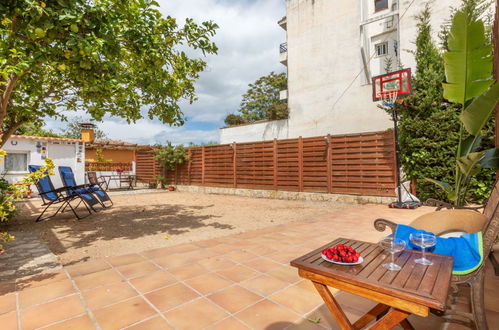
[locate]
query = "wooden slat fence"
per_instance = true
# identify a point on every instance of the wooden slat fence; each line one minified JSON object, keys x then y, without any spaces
{"x":107,"y":166}
{"x":360,"y":164}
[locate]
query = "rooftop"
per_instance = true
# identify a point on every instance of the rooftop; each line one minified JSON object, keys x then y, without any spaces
{"x":47,"y":138}
{"x":112,"y":144}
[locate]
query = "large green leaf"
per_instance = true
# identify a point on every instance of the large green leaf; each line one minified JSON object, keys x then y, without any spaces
{"x":478,"y":113}
{"x":470,"y":164}
{"x":470,"y":144}
{"x":490,"y":159}
{"x":468,"y":63}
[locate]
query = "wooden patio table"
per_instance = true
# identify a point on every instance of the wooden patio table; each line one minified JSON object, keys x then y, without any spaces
{"x":412,"y":290}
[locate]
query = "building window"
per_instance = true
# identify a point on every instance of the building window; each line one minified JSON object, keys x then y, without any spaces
{"x":16,"y":162}
{"x":380,"y":5}
{"x":381,"y":49}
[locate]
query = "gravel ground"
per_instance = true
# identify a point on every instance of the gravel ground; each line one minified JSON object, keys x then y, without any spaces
{"x":140,"y":222}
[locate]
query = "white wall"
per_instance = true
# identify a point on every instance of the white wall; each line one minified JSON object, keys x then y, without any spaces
{"x":267,"y":130}
{"x":328,"y":93}
{"x":63,"y":153}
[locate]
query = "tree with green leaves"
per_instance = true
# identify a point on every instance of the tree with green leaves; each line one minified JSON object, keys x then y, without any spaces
{"x":32,"y":129}
{"x":261,"y":101}
{"x":469,"y":82}
{"x":104,"y":57}
{"x":429,"y":124}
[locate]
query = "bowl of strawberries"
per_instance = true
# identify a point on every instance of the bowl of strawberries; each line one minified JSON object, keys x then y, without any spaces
{"x":342,"y":255}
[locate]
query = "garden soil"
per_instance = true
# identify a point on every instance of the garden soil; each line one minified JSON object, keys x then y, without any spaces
{"x":139,"y":222}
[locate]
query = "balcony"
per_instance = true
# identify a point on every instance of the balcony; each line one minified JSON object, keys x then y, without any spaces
{"x":283,"y":95}
{"x":283,"y":23}
{"x":283,"y":53}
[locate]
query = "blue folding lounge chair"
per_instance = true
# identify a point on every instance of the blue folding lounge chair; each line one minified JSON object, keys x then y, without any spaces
{"x":68,"y":180}
{"x":51,"y":196}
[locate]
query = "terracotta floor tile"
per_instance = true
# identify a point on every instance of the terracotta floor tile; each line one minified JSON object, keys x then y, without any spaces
{"x":228,"y":324}
{"x":175,"y":260}
{"x":286,"y":257}
{"x":234,"y":298}
{"x":183,"y":248}
{"x":238,"y":273}
{"x":78,"y":323}
{"x":208,"y":283}
{"x":124,"y":313}
{"x":44,"y":293}
{"x":216,"y":263}
{"x":196,"y":315}
{"x":304,"y":324}
{"x":262,"y":264}
{"x":300,"y":300}
{"x":125,"y":259}
{"x":188,"y":271}
{"x":8,"y":321}
{"x":108,"y":294}
{"x":171,"y":296}
{"x":93,"y":280}
{"x":153,"y":281}
{"x":267,"y":315}
{"x":240,"y":256}
{"x":222,"y":248}
{"x":156,"y":322}
{"x":285,"y":273}
{"x":264,"y":284}
{"x":53,"y":311}
{"x":88,"y":267}
{"x":137,"y":269}
{"x":40,"y":279}
{"x":261,"y":250}
{"x":7,"y":303}
{"x":157,"y":253}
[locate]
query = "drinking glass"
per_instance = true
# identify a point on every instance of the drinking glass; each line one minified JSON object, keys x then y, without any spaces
{"x":423,"y":241}
{"x":392,"y":245}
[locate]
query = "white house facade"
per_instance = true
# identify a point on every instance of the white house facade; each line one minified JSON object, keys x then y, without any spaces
{"x":32,"y":150}
{"x":333,"y":50}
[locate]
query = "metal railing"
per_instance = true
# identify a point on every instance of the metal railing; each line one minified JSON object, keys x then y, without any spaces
{"x":283,"y":47}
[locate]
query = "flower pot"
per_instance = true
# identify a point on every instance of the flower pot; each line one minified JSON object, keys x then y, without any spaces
{"x":2,"y":251}
{"x":171,"y":188}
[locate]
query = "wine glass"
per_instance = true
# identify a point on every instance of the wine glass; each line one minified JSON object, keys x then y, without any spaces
{"x":423,"y":241}
{"x":392,"y":245}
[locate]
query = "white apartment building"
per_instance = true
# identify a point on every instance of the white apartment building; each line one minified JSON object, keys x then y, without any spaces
{"x":333,"y":49}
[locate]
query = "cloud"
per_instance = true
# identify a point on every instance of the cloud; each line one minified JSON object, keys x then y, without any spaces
{"x":248,"y":40}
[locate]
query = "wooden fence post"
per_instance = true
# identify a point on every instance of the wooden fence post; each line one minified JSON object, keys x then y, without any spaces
{"x":234,"y":164}
{"x":275,"y":164}
{"x":189,"y":167}
{"x":300,"y":163}
{"x":329,"y":164}
{"x":202,"y":164}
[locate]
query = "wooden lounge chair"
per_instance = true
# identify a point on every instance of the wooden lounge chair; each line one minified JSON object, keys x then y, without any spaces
{"x":51,"y":196}
{"x":475,"y":279}
{"x":94,"y":180}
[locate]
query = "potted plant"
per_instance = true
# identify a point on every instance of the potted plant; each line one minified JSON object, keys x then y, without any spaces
{"x":169,"y":157}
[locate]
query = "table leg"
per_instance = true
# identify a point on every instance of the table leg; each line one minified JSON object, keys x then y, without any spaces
{"x":371,"y":315}
{"x":394,"y":317}
{"x":333,"y":306}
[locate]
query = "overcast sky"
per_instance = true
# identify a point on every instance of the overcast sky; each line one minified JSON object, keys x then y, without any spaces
{"x":248,"y":41}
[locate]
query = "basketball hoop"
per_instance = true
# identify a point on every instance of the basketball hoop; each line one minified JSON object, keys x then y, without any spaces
{"x":389,"y":98}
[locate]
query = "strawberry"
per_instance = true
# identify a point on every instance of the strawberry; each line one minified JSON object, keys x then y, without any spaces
{"x":342,"y":253}
{"x":355,"y":259}
{"x":336,"y":258}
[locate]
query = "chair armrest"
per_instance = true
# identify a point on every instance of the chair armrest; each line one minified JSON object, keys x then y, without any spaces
{"x":381,"y":224}
{"x":57,"y":191}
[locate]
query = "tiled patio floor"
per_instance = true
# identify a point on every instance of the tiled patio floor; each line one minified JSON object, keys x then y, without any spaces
{"x":236,"y":282}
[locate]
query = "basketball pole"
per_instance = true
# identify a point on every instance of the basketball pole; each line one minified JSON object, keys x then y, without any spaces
{"x":397,"y":154}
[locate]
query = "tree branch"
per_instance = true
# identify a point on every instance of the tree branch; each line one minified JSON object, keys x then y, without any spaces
{"x":7,"y":134}
{"x":5,"y":99}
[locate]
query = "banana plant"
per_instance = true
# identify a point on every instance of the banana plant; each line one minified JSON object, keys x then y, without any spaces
{"x":469,"y":82}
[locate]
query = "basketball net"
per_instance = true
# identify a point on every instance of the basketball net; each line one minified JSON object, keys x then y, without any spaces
{"x":389,"y":98}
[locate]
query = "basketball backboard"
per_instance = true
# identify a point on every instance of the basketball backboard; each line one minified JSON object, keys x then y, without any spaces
{"x":397,"y":81}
